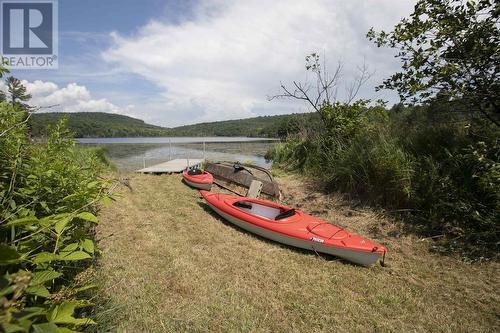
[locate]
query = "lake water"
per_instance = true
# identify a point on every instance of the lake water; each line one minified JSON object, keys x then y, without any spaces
{"x":129,"y":154}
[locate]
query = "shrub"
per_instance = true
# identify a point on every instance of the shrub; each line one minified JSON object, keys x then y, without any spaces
{"x":374,"y":167}
{"x":48,"y":199}
{"x":446,"y":173}
{"x":459,"y":193}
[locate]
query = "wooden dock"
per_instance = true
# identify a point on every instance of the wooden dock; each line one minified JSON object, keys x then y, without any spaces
{"x":172,"y":166}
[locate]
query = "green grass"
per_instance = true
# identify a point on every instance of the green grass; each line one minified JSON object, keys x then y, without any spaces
{"x":168,"y":265}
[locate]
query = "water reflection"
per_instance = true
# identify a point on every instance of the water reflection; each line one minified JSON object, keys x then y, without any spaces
{"x":133,"y":156}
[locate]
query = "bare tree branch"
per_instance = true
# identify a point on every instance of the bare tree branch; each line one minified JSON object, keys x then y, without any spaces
{"x":326,"y":85}
{"x":363,"y":76}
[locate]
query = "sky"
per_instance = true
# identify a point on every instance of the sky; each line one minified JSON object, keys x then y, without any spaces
{"x":181,"y":62}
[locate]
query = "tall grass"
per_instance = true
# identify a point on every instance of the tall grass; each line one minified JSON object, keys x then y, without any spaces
{"x":446,"y":174}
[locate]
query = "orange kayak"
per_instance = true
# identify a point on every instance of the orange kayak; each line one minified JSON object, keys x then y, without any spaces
{"x":293,"y":227}
{"x":198,"y":179}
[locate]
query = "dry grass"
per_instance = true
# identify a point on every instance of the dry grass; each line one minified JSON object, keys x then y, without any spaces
{"x":170,"y":265}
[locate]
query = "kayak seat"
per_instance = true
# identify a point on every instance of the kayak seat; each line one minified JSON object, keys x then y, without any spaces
{"x":241,"y":204}
{"x":257,"y":209}
{"x":194,"y":172}
{"x":285,"y":214}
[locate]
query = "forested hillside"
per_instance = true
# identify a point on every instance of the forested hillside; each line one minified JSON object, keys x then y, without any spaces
{"x":98,"y":124}
{"x":264,"y":126}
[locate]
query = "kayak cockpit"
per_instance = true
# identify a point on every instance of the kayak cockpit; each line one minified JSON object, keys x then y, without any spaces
{"x":268,"y":212}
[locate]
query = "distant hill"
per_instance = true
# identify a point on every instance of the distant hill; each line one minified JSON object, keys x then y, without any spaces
{"x":98,"y":124}
{"x":264,"y":126}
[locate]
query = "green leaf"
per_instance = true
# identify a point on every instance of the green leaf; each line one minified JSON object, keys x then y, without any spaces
{"x":63,"y":314}
{"x":45,"y":206}
{"x":88,"y":245}
{"x":88,"y":217}
{"x":44,"y":276}
{"x":12,"y":328}
{"x":8,"y":255}
{"x":33,"y":311}
{"x":26,"y":316}
{"x":92,"y":184}
{"x":62,"y":224}
{"x":6,"y":291}
{"x":106,"y":201}
{"x":77,"y":255}
{"x":71,"y":196}
{"x":70,"y":248}
{"x":51,"y":219}
{"x":44,"y":257}
{"x":38,"y":291}
{"x":87,"y":287}
{"x":46,"y":328}
{"x":28,"y":220}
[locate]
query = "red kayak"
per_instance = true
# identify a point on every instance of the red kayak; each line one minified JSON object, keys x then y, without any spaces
{"x":198,"y":179}
{"x":293,"y":227}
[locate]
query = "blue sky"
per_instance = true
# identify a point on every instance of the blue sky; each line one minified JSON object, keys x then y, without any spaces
{"x":177,"y":62}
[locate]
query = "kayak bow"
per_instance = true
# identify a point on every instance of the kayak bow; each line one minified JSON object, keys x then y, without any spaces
{"x":198,"y":179}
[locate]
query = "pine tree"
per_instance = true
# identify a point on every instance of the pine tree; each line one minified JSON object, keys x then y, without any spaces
{"x":17,"y":91}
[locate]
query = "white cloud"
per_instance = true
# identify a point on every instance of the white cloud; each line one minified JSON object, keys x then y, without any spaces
{"x":48,"y":93}
{"x":72,"y":98}
{"x":223,"y":62}
{"x":40,"y":88}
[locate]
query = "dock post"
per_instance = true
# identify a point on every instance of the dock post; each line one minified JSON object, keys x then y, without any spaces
{"x":144,"y":161}
{"x":203,"y":149}
{"x":187,"y":162}
{"x":169,"y":149}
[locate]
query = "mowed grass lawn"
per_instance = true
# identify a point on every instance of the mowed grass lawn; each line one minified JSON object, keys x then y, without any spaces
{"x":168,"y":265}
